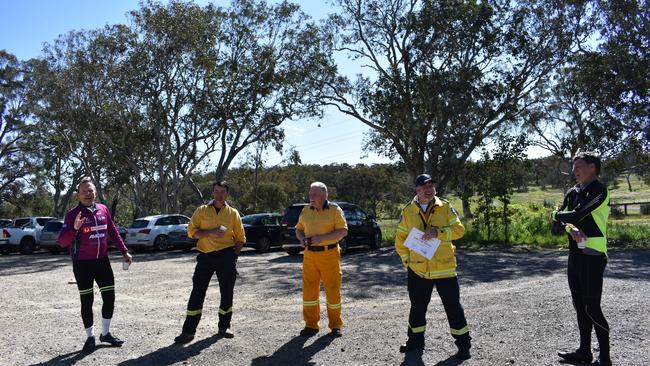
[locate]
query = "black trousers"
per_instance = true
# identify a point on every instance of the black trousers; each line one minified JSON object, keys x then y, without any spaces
{"x":86,"y":272}
{"x":223,"y":262}
{"x":420,"y":290}
{"x":585,"y":274}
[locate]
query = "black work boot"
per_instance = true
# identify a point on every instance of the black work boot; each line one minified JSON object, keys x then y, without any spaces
{"x":411,"y":345}
{"x":578,"y":356}
{"x":184,"y":338}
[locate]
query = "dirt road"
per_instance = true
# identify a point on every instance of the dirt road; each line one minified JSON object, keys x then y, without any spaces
{"x":517,"y":304}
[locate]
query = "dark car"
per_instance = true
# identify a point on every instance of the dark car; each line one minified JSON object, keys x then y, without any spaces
{"x":122,"y":231}
{"x":263,"y":230}
{"x":178,"y":239}
{"x":363,"y":229}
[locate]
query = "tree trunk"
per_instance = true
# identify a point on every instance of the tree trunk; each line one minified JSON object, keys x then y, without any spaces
{"x":629,"y":184}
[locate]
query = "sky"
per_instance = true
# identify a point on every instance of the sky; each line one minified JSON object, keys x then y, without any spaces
{"x":28,"y":24}
{"x":32,"y":23}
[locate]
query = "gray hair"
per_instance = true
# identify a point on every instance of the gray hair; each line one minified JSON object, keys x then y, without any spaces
{"x":320,"y":185}
{"x":85,"y":180}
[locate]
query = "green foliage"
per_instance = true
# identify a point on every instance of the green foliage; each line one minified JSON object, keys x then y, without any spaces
{"x":629,"y":232}
{"x":498,"y":176}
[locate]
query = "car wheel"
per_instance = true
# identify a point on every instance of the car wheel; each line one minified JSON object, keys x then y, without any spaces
{"x":27,"y":245}
{"x":160,"y":244}
{"x":343,"y":244}
{"x":376,"y":240}
{"x":263,"y":244}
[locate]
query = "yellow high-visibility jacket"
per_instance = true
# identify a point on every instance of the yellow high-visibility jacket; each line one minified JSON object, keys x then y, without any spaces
{"x":444,"y":218}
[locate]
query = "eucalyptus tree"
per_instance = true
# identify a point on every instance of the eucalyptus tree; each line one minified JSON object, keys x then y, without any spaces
{"x":165,"y":78}
{"x":444,"y":76}
{"x":13,"y":125}
{"x":87,"y":116}
{"x":614,"y":75}
{"x":267,"y":66}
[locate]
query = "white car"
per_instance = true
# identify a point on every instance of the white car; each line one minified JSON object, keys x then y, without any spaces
{"x":152,"y":231}
{"x":23,"y":235}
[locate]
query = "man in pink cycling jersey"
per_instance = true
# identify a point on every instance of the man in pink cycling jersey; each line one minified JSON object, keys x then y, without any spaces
{"x":85,"y":232}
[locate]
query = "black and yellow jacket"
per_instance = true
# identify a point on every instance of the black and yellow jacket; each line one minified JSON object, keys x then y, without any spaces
{"x":444,"y":218}
{"x":587,"y":209}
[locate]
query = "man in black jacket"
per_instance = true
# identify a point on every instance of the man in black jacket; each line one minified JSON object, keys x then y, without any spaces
{"x":584,"y":213}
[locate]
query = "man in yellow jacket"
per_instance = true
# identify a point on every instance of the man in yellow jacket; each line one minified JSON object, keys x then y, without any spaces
{"x":221,"y":236}
{"x":437,"y":219}
{"x":320,"y":226}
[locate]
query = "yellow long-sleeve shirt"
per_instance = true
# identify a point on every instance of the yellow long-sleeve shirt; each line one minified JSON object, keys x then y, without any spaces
{"x":206,"y":218}
{"x":313,"y":222}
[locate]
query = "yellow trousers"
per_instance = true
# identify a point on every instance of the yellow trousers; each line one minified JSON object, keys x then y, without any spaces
{"x":325,"y":265}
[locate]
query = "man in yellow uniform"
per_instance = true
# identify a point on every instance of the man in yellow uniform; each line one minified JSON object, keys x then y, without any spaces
{"x":221,"y":236}
{"x":320,"y":227}
{"x":437,"y":219}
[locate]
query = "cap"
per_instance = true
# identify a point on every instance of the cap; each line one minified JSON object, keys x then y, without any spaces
{"x":423,"y":179}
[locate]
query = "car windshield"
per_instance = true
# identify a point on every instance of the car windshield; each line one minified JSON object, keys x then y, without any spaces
{"x":53,"y":226}
{"x":251,"y":219}
{"x":43,"y":220}
{"x":21,"y":222}
{"x":138,"y":224}
{"x":291,"y":216}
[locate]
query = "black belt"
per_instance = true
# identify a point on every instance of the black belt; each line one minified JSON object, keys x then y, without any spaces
{"x":320,"y":248}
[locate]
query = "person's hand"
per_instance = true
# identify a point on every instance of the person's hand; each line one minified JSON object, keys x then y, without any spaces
{"x":316,"y":239}
{"x":430,"y":234}
{"x":78,"y":221}
{"x":306,"y":242}
{"x":577,"y":235}
{"x":128,"y":257}
{"x":238,"y":247}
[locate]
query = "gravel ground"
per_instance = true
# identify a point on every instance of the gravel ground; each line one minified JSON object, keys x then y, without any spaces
{"x":517,"y":304}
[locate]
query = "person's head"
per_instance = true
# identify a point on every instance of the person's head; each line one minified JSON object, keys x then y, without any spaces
{"x":317,"y":194}
{"x":220,"y":192}
{"x":86,"y":192}
{"x":425,"y":188}
{"x":586,"y":166}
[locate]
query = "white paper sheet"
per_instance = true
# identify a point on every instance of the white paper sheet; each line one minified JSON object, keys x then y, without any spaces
{"x":426,"y":248}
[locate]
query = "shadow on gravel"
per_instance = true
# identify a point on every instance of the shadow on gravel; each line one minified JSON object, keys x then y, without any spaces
{"x":294,"y":352}
{"x":72,"y":357}
{"x":450,"y":361}
{"x":474,"y":267}
{"x":631,"y":264}
{"x":31,"y":263}
{"x":173,"y":353}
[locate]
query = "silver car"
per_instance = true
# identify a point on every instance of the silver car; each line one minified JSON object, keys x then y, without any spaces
{"x":153,"y":231}
{"x":50,"y":236}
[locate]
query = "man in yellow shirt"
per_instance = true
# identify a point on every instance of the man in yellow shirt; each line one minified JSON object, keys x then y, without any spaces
{"x":320,"y":227}
{"x":221,"y":236}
